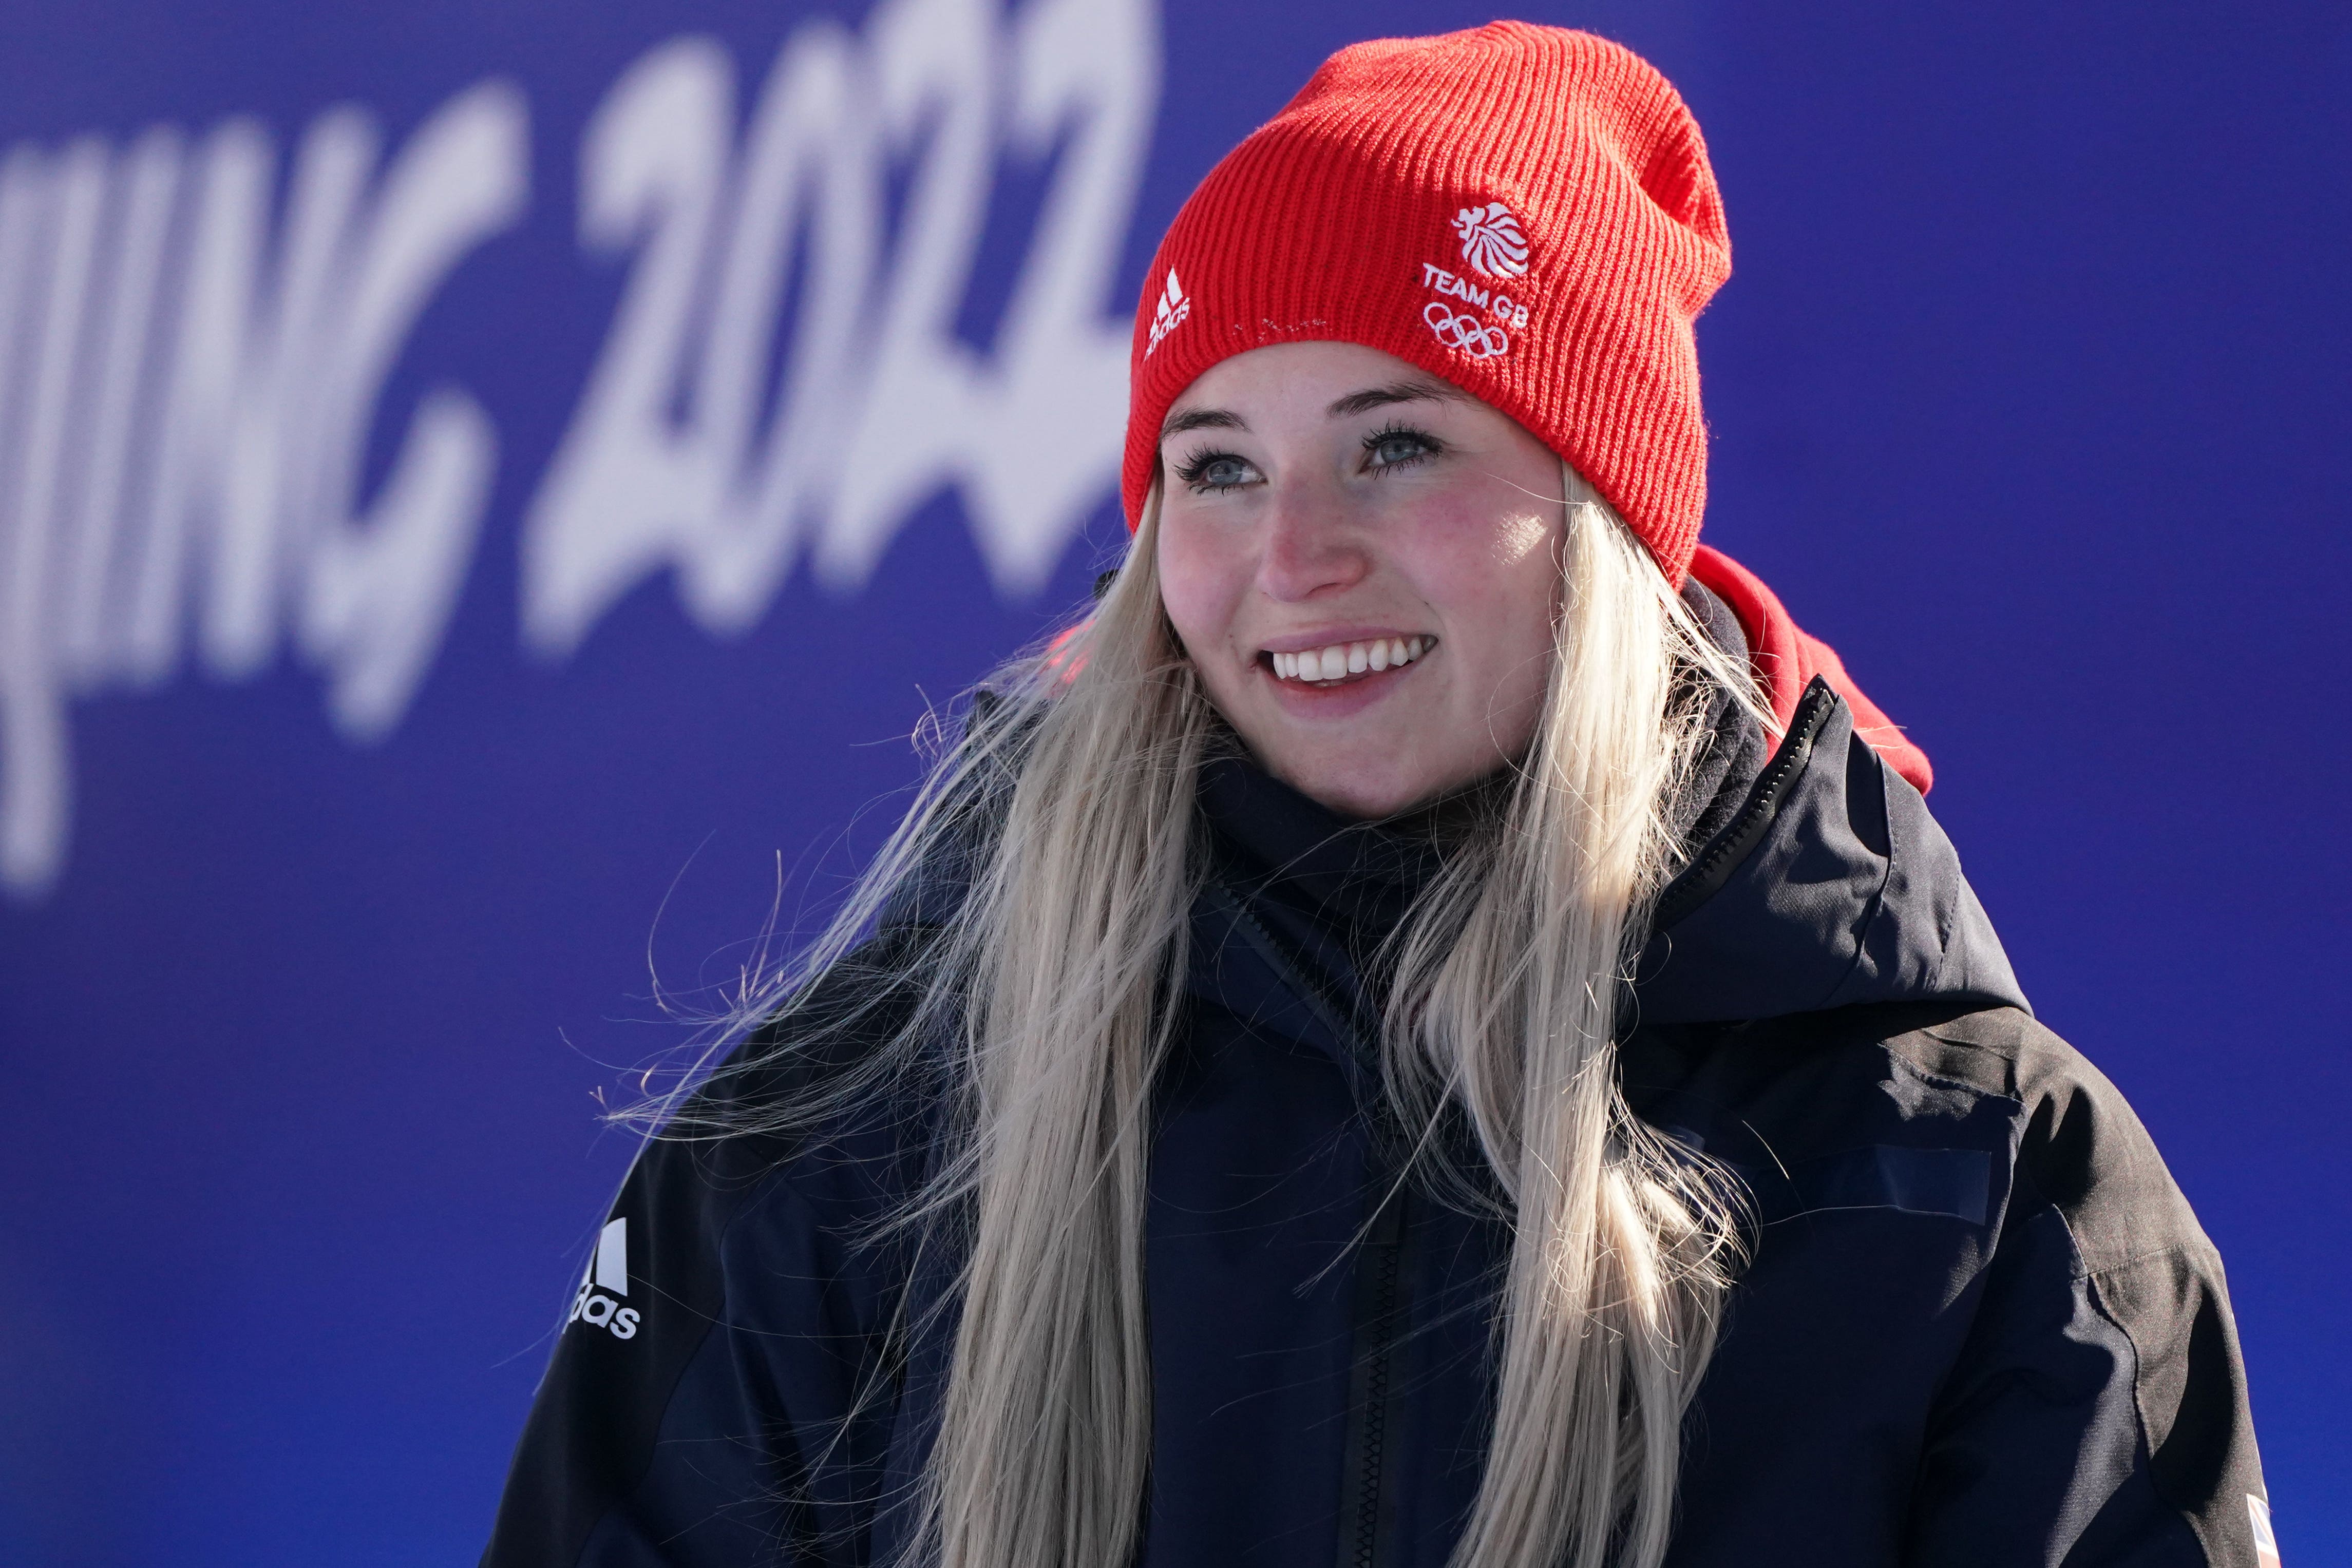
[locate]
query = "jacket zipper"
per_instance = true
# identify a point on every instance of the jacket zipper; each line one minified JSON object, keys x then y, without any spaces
{"x":1365,"y":1531}
{"x":1723,"y":855}
{"x":1364,"y":1520}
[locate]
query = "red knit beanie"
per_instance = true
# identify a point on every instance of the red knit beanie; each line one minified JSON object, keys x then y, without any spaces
{"x":1524,"y":212}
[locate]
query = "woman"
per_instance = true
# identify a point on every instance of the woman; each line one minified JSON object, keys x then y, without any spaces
{"x":1436,"y":1026}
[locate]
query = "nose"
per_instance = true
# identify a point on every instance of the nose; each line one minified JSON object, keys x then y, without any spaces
{"x":1311,"y":543}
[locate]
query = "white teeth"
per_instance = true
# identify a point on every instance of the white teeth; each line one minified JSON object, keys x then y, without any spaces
{"x":1341,"y":659}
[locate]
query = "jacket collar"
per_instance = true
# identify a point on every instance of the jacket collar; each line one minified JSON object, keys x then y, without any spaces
{"x":1823,"y":881}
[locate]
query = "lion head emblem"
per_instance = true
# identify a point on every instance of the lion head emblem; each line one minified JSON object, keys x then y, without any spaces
{"x":1491,"y":240}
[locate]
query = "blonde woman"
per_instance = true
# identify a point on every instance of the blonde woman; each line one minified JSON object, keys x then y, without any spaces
{"x":1435,"y":1027}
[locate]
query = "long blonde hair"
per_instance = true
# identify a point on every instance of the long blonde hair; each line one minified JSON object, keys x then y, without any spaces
{"x":1070,"y":801}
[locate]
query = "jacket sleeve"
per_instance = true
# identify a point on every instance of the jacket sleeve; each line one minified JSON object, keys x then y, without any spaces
{"x":719,"y":1393}
{"x":2098,"y":1416}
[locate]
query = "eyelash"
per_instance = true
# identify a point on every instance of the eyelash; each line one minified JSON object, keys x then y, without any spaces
{"x":1429,"y":446}
{"x":1197,"y":465}
{"x":1196,"y":468}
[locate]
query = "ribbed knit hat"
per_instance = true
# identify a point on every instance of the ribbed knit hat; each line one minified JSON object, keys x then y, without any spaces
{"x":1524,"y":212}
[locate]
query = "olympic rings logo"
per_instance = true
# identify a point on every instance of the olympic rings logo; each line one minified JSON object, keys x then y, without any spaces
{"x":1465,"y":334}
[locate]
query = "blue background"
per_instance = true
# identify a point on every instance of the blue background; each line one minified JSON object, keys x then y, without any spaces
{"x":2029,"y":395}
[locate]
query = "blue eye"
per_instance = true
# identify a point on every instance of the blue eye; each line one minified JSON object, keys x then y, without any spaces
{"x":1209,"y":471}
{"x":1399,"y":446}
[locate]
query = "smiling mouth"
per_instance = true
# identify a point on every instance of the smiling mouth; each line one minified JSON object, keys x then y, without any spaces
{"x":1344,"y":661}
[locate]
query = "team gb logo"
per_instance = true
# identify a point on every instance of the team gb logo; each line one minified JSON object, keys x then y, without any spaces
{"x":1491,"y":240}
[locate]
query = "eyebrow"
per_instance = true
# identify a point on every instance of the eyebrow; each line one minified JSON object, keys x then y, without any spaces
{"x":1202,"y":419}
{"x":1395,"y":392}
{"x":1346,"y":407}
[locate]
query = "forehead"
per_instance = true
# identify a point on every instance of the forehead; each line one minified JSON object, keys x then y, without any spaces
{"x":1313,"y":380}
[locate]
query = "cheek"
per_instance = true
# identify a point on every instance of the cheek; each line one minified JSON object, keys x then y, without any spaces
{"x":1528,"y":585}
{"x":1200,"y":583}
{"x":1523,"y":545}
{"x":1519,"y":647}
{"x":1497,"y":581}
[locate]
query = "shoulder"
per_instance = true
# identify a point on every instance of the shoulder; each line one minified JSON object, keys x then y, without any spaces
{"x":1957,"y":1202}
{"x":821,"y":1096}
{"x":1978,"y":1114}
{"x":761,"y":1201}
{"x":2079,"y":1146}
{"x":785,"y":1164}
{"x":738,"y":1293}
{"x":1928,"y":1074}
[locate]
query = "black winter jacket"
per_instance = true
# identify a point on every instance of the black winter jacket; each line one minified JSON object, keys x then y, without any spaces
{"x":1980,"y":1324}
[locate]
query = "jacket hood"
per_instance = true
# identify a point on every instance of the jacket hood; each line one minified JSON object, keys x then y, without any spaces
{"x":1818,"y":879}
{"x":1830,"y":885}
{"x":1787,"y":659}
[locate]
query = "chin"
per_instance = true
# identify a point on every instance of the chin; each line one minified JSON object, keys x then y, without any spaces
{"x":1361,"y":792}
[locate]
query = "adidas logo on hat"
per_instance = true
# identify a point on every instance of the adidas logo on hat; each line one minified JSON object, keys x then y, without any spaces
{"x":1170,"y":313}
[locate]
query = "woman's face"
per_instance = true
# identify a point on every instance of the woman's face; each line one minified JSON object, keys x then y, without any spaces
{"x":1326,"y":506}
